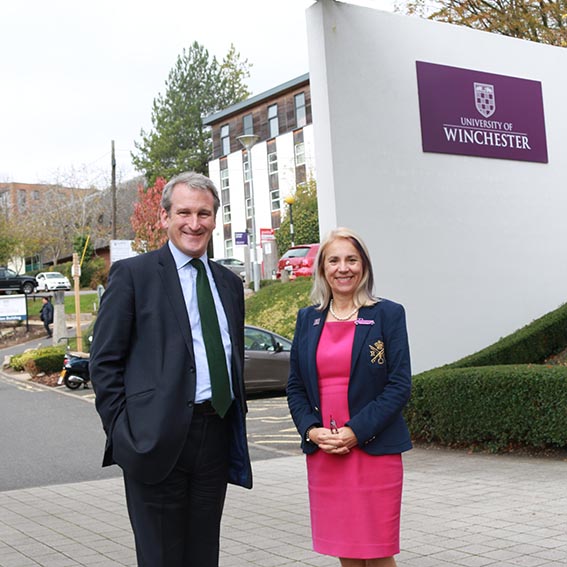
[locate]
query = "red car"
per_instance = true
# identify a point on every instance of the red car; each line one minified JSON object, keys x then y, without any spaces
{"x":298,"y":260}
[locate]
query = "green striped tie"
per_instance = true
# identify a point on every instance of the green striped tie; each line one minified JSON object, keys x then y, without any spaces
{"x":221,"y":398}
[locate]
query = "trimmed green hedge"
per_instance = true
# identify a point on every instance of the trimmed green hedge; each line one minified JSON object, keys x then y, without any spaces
{"x":530,"y":344}
{"x":499,"y":398}
{"x":495,"y":407}
{"x":50,"y":361}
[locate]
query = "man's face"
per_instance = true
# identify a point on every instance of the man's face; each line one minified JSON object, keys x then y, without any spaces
{"x":191,"y":219}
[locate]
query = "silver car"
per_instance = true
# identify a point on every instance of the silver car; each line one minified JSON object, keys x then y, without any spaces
{"x":234,"y":265}
{"x":266,"y":360}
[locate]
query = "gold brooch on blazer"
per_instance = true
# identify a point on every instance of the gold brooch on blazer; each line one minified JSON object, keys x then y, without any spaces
{"x":377,"y":354}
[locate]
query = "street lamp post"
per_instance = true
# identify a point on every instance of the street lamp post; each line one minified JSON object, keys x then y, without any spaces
{"x":248,"y":142}
{"x":290,"y":201}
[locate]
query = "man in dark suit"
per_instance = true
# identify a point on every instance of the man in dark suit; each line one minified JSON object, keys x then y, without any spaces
{"x":157,"y":383}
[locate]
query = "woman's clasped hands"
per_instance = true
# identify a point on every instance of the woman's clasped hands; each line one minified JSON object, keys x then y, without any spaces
{"x":335,"y":441}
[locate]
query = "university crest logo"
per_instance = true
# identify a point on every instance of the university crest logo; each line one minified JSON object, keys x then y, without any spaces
{"x":484,"y":99}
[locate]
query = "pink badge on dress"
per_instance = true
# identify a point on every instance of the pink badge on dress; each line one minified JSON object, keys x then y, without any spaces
{"x":364,"y":322}
{"x":316,"y":322}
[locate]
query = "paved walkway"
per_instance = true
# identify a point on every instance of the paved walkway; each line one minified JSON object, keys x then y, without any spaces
{"x":459,"y":510}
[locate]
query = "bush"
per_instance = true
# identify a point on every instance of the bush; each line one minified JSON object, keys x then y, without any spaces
{"x":500,"y":397}
{"x":18,"y":361}
{"x":494,"y":407}
{"x":99,"y":275}
{"x":30,"y":367}
{"x":47,"y":359}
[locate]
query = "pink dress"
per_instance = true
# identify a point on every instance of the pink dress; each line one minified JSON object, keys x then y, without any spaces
{"x":354,"y":499}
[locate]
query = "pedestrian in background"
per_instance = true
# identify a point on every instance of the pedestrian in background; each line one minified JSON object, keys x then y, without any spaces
{"x":46,"y":314}
{"x":166,"y":365}
{"x":349,"y":381}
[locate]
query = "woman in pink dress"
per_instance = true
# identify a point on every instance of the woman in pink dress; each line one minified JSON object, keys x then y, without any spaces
{"x":350,"y":379}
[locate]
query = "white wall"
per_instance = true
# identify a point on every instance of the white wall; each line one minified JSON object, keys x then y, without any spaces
{"x":473,"y":247}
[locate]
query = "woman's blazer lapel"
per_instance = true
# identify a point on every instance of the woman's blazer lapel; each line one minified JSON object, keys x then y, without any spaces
{"x":367,"y":320}
{"x":315,"y":322}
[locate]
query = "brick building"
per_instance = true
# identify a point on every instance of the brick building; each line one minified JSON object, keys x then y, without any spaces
{"x":22,"y":198}
{"x":282,"y":158}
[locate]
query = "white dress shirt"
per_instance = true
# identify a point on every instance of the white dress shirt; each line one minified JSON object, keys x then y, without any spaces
{"x":188,"y":278}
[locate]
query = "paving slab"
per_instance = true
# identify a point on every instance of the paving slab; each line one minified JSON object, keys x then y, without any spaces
{"x":459,"y":509}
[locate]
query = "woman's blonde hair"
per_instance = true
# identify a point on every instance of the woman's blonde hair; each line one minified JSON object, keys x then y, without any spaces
{"x":321,"y":293}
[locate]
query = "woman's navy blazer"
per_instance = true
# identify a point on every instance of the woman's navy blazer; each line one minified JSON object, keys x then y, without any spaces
{"x":380,"y":378}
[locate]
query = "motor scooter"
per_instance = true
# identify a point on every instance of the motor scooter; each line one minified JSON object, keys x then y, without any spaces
{"x":75,"y":370}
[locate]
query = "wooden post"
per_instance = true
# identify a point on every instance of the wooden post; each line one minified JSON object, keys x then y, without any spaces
{"x":76,"y":272}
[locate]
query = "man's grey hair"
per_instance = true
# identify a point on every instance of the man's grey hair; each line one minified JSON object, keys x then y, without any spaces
{"x":194,"y":181}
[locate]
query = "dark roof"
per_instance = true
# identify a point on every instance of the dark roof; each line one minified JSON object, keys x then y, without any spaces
{"x":254,"y":100}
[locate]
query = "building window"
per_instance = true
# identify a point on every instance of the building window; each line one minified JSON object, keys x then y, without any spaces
{"x":224,"y":181}
{"x":225,"y":191}
{"x":225,"y":139}
{"x":248,"y":125}
{"x":248,"y":203}
{"x":275,"y":200}
{"x":272,"y":163}
{"x":300,"y":154}
{"x":273,"y":120}
{"x":300,"y":113}
{"x":4,"y":196}
{"x":35,"y":195}
{"x":226,"y":213}
{"x":245,"y":166}
{"x":228,"y":250}
{"x":21,"y":201}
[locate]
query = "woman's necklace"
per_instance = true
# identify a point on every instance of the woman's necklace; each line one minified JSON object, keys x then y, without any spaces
{"x":341,"y":318}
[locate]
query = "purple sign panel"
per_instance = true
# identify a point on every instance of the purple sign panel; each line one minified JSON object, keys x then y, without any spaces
{"x":480,"y":114}
{"x":240,"y":238}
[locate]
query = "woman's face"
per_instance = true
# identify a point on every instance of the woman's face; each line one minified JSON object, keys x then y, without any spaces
{"x":342,"y":268}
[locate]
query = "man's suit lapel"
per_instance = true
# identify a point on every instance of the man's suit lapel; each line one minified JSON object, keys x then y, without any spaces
{"x":168,"y":273}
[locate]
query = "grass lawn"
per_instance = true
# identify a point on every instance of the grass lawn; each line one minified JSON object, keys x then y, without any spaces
{"x":89,"y":304}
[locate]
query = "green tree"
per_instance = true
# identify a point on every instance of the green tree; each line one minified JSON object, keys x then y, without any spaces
{"x":197,"y":86}
{"x":83,"y":245}
{"x":18,"y":239}
{"x":7,"y":242}
{"x":305,"y":218}
{"x":542,"y":21}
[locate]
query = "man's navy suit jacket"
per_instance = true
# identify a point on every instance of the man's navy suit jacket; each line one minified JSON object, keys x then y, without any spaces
{"x":379,"y":383}
{"x":143,"y":367}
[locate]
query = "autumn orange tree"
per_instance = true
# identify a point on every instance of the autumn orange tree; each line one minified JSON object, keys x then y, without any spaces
{"x":542,"y":21}
{"x":149,"y":234}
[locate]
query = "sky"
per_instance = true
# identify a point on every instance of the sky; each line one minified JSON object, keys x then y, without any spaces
{"x":77,"y":75}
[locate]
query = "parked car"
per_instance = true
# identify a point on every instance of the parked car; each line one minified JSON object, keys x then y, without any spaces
{"x":51,"y":281}
{"x":11,"y":282}
{"x":266,"y":360}
{"x":298,"y":260}
{"x":234,"y":265}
